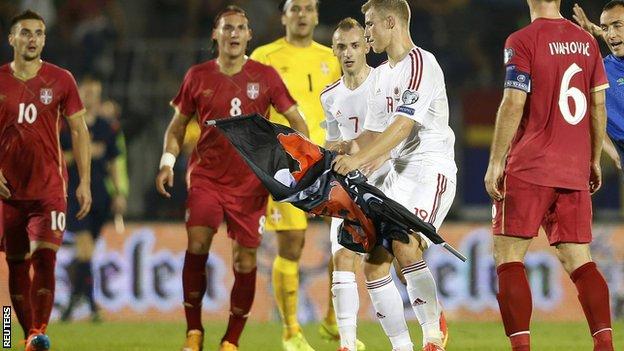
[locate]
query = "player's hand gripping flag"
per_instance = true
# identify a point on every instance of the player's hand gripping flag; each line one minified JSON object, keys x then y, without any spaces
{"x":295,"y":170}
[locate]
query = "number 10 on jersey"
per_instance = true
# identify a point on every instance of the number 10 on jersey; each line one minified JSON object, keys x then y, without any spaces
{"x":27,"y":113}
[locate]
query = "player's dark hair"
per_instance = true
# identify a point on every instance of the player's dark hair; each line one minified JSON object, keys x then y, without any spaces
{"x":613,"y":3}
{"x":228,"y":10}
{"x":348,"y":24}
{"x":25,"y":15}
{"x":282,"y":5}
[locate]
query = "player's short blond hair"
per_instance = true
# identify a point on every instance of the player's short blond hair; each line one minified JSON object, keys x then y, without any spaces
{"x":400,"y":8}
{"x":347,"y":24}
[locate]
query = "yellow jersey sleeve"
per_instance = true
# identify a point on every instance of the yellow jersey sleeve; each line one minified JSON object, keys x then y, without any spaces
{"x":306,"y":72}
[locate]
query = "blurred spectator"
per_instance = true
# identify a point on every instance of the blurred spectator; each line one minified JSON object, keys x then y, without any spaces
{"x":93,"y":29}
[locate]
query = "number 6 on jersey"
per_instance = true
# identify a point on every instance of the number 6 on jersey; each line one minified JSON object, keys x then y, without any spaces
{"x":565,"y":92}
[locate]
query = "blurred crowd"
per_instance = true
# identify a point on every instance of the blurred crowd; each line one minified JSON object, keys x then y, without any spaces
{"x":141,"y":49}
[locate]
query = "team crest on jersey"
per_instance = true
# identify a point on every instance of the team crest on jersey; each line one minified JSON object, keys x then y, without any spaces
{"x":508,"y":54}
{"x":409,"y":97}
{"x":253,"y":90}
{"x":46,"y":96}
{"x":397,"y":93}
{"x":325,"y":68}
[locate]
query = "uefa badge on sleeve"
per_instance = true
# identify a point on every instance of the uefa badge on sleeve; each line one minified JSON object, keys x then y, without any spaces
{"x":45,"y":95}
{"x":409,"y":97}
{"x":509,"y":53}
{"x":253,"y":90}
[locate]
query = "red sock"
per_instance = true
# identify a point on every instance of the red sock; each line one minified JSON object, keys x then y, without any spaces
{"x":593,"y":293}
{"x":515,"y":303}
{"x":19,"y":289}
{"x":42,"y":289}
{"x":241,"y":300}
{"x":520,"y":342}
{"x":194,"y":285}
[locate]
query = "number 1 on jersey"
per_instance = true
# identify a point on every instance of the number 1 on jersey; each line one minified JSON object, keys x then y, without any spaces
{"x":28,"y":113}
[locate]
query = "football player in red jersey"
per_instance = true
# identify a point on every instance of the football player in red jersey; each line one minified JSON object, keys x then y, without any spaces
{"x":34,"y":96}
{"x":545,"y":164}
{"x":220,"y":185}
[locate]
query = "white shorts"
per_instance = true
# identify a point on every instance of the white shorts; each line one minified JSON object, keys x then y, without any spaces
{"x":376,"y":179}
{"x":424,"y":191}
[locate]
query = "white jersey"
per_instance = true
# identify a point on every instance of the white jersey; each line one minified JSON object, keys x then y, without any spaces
{"x":345,"y":109}
{"x":345,"y":113}
{"x":414,"y":88}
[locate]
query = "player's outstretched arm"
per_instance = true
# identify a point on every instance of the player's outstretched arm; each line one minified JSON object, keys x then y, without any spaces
{"x":507,"y":122}
{"x":598,"y":112}
{"x":296,"y":120}
{"x":581,"y":18}
{"x":81,"y":148}
{"x":398,"y":131}
{"x":174,"y":138}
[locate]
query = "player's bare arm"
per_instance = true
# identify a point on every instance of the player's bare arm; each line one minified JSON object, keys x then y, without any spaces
{"x":598,"y":113}
{"x":581,"y":18}
{"x":174,"y":138}
{"x":398,"y":131}
{"x":609,"y":149}
{"x":81,"y":149}
{"x":507,"y":122}
{"x":296,"y":120}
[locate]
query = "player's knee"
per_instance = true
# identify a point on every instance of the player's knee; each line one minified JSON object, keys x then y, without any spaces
{"x":198,"y":247}
{"x":245,"y":260}
{"x":290,"y":244}
{"x":84,"y":246}
{"x":410,"y":253}
{"x":504,"y":251}
{"x":199,"y":240}
{"x":40,"y":245}
{"x":374,"y":271}
{"x":573,"y":256}
{"x":344,"y":260}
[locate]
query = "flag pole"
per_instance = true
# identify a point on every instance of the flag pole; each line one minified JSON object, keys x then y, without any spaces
{"x":452,"y":250}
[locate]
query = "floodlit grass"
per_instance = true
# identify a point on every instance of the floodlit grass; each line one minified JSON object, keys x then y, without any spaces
{"x":480,"y":336}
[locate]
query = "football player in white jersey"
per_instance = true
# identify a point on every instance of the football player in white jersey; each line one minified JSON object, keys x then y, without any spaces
{"x":408,"y":117}
{"x":345,"y":105}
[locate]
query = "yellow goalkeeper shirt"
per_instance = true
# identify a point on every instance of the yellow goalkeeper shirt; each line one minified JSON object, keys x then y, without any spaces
{"x":306,"y":72}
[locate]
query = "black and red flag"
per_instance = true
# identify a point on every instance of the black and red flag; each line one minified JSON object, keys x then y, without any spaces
{"x":295,"y":170}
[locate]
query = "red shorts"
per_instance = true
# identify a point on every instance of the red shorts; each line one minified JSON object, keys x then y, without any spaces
{"x":24,"y":221}
{"x":244,"y":216}
{"x":565,"y":214}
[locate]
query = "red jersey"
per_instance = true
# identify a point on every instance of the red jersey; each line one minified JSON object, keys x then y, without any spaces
{"x":559,"y":65}
{"x":30,"y":120}
{"x":210,"y":94}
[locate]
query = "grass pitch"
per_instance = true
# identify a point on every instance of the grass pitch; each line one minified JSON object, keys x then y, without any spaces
{"x":266,"y":336}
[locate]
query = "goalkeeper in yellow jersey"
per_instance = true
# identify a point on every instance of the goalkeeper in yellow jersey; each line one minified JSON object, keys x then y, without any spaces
{"x":306,"y":67}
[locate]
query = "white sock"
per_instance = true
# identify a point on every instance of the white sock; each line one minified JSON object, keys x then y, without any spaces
{"x":346,"y":304}
{"x":421,"y":289}
{"x":389,"y":310}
